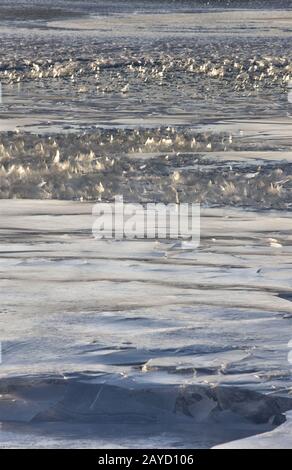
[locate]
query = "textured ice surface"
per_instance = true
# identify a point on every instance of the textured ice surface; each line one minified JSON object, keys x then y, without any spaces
{"x":142,"y":334}
{"x":94,"y":115}
{"x":278,"y":439}
{"x":145,"y":343}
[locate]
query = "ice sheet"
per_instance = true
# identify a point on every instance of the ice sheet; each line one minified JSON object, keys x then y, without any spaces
{"x":155,"y":323}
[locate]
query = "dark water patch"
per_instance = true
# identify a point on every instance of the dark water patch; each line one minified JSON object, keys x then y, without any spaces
{"x":232,"y":411}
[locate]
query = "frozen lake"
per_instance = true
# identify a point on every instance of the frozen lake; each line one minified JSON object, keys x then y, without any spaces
{"x":145,"y":343}
{"x":119,"y":336}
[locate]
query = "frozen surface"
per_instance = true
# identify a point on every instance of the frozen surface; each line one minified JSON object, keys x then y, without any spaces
{"x":277,"y":439}
{"x":145,"y":343}
{"x":143,"y":336}
{"x":142,"y":99}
